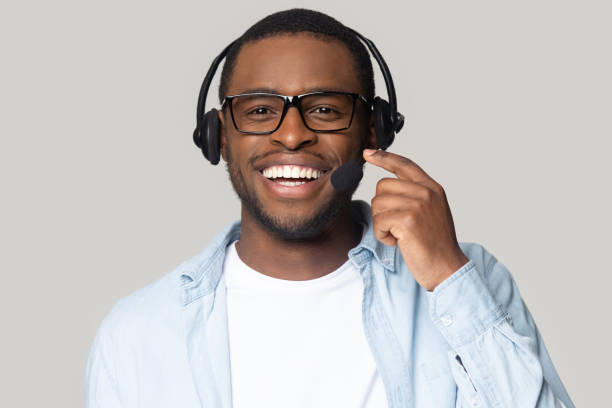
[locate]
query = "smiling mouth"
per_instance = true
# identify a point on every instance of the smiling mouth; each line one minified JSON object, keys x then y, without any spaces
{"x":292,"y":175}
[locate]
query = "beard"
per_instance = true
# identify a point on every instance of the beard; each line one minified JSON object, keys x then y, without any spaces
{"x":288,"y":227}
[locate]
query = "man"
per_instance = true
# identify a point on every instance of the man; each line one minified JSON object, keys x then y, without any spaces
{"x":312,"y":300}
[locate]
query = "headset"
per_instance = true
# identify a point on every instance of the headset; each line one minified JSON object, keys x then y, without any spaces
{"x":387,"y":120}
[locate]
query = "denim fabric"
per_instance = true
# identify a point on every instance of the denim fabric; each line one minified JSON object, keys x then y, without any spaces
{"x":470,"y":342}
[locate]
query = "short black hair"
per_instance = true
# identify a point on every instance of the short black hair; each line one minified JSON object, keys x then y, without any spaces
{"x":299,"y":20}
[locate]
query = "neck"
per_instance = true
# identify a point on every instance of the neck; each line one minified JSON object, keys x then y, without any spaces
{"x":280,"y":258}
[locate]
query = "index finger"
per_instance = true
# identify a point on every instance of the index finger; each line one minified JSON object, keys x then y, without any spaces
{"x":401,"y":166}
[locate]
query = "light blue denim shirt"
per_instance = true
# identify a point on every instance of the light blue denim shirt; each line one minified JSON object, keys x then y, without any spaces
{"x":470,"y":342}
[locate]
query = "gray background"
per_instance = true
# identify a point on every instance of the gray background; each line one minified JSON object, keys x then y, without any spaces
{"x":507,"y":106}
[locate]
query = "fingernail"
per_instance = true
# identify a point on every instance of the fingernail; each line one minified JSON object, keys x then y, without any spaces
{"x":369,"y":152}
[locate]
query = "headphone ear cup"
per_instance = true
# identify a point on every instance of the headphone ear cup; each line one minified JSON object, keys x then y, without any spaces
{"x":382,"y":123}
{"x":209,"y":136}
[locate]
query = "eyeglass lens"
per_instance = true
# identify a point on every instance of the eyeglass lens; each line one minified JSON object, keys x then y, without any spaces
{"x":263,"y":113}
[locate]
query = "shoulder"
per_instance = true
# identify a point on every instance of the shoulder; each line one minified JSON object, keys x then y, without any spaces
{"x":486,"y":263}
{"x":157,"y":306}
{"x":494,"y":274}
{"x":477,"y":253}
{"x":143,"y":324}
{"x":144,"y":312}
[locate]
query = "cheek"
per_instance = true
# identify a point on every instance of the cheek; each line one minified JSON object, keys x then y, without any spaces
{"x":336,"y":154}
{"x":347,"y":147}
{"x":238,"y":148}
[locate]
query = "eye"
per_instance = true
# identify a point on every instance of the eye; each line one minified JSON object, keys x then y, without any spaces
{"x":322,"y":109}
{"x":260,"y":111}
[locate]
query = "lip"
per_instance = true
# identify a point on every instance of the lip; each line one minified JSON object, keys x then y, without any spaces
{"x":294,"y":192}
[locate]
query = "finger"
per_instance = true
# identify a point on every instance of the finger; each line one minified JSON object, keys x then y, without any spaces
{"x":396,"y":223}
{"x":409,"y":188}
{"x":401,"y":166}
{"x":387,"y":239}
{"x":393,"y":202}
{"x":382,"y":233}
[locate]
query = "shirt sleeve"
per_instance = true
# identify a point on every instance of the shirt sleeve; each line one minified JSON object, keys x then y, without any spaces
{"x":100,"y":383}
{"x":497,"y":357}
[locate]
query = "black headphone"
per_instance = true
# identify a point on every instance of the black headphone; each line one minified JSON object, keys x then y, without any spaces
{"x":387,"y":120}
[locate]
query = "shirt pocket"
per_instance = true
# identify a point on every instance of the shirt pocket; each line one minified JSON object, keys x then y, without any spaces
{"x":440,"y":390}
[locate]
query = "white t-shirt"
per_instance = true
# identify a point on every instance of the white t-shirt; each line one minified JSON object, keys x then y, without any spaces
{"x":298,"y":343}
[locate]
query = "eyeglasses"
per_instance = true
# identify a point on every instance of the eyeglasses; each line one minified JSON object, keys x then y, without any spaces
{"x":261,"y":113}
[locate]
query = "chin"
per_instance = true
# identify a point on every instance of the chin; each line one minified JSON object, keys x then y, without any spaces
{"x":297,"y":224}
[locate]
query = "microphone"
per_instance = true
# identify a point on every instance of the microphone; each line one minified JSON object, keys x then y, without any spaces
{"x":346,"y":177}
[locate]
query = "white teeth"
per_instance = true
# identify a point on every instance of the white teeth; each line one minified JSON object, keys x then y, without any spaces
{"x":289,"y":171}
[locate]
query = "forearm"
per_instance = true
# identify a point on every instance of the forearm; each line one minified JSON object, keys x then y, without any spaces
{"x":495,"y":361}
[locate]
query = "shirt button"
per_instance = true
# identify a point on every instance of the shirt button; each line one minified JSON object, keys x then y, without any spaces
{"x":447,"y":320}
{"x":474,"y":401}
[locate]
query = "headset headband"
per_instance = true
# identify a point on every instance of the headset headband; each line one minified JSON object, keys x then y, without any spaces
{"x":385,"y":72}
{"x":208,"y":80}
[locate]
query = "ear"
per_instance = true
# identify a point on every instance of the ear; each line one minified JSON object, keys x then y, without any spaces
{"x":371,"y":138}
{"x":222,"y":134}
{"x":369,"y":141}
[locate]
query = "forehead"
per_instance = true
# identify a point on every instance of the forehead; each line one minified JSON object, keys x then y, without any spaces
{"x":291,"y":64}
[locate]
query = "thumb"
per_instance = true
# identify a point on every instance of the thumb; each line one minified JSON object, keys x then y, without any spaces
{"x":370,"y":155}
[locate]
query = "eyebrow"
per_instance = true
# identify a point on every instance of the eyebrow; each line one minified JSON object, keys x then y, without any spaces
{"x":275,"y":91}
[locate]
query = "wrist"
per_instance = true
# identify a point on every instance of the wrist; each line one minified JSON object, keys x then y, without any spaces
{"x":449,"y":268}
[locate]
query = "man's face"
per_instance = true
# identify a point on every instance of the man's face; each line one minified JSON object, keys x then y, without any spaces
{"x":293,"y":65}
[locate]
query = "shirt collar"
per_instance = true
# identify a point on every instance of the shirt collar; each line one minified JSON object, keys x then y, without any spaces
{"x":370,"y":246}
{"x":200,"y":275}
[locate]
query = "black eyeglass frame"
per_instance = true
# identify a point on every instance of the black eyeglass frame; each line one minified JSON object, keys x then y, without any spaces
{"x":294,"y":100}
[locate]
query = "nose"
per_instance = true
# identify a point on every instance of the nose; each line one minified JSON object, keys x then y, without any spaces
{"x":293,"y":133}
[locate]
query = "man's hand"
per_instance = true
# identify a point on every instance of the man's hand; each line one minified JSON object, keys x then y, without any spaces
{"x":412,"y":212}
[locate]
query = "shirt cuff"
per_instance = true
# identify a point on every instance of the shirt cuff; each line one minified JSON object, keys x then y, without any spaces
{"x":462,"y":306}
